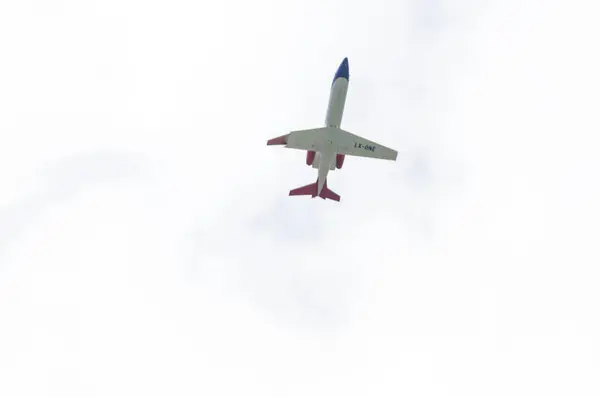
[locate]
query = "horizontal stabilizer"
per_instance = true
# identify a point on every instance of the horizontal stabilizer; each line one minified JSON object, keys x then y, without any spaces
{"x":308,"y":190}
{"x":311,"y":190}
{"x":329,"y":194}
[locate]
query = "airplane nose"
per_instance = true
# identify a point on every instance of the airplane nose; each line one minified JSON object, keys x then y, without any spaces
{"x":343,"y":70}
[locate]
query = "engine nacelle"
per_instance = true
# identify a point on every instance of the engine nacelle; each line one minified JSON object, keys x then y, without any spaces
{"x":339,"y":160}
{"x":310,"y":157}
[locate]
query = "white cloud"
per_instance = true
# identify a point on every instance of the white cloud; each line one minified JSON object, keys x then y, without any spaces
{"x":147,"y":244}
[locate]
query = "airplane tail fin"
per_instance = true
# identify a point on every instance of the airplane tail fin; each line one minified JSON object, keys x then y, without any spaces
{"x":311,"y":190}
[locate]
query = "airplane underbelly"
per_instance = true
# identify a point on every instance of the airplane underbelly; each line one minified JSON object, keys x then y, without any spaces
{"x":319,"y":158}
{"x":337,"y":100}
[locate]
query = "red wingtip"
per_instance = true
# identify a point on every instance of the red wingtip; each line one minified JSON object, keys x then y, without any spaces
{"x":282,"y":140}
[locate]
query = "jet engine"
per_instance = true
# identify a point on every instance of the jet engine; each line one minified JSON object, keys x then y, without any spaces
{"x":310,"y":157}
{"x":339,"y":160}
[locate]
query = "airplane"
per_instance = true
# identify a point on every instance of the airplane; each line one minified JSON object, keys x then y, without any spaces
{"x":327,"y":147}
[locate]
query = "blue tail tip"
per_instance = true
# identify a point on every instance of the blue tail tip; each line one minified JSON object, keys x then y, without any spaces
{"x":343,"y":70}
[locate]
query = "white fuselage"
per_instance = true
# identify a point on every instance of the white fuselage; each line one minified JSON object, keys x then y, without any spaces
{"x":337,"y":100}
{"x":325,"y":158}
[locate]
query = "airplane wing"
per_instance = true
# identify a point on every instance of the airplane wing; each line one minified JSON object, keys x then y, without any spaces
{"x":301,"y":139}
{"x":343,"y":142}
{"x":354,"y":145}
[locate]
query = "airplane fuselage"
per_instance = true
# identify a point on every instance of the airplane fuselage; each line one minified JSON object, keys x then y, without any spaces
{"x":325,"y":159}
{"x":337,"y":101}
{"x":326,"y":147}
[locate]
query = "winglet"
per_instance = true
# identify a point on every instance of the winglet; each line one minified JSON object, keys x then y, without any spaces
{"x":282,"y":140}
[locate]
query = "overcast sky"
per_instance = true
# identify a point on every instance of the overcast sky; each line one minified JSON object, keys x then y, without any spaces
{"x":148,"y":245}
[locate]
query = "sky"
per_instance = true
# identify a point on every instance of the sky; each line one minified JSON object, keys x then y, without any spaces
{"x":148,"y":245}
